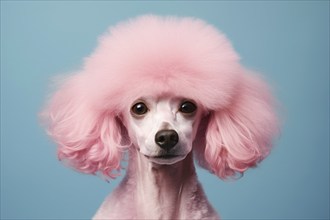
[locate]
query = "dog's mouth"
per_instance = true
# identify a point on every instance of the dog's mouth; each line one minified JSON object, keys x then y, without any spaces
{"x":165,"y":158}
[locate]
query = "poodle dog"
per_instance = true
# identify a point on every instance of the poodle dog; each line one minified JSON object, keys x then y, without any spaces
{"x":161,"y":92}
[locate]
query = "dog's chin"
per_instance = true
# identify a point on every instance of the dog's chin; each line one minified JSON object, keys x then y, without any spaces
{"x":165,"y":159}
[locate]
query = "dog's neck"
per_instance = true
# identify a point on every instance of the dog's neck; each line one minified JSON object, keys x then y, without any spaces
{"x":160,"y":188}
{"x":151,"y":191}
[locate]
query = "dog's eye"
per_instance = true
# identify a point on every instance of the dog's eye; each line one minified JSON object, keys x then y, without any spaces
{"x":139,"y":108}
{"x":187,"y":107}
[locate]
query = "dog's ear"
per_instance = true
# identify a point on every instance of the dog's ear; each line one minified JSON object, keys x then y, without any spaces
{"x":90,"y":140}
{"x":239,"y":136}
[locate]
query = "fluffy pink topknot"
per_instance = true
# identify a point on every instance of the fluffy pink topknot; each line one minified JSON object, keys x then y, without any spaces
{"x":156,"y":55}
{"x":153,"y":55}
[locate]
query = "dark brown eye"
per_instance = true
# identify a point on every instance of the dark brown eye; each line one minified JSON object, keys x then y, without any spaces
{"x":187,"y":107}
{"x":139,"y":108}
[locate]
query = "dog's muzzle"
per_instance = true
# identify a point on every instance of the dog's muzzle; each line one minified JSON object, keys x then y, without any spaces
{"x":166,"y":139}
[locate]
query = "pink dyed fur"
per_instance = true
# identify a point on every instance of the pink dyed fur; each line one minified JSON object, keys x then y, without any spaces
{"x":162,"y":55}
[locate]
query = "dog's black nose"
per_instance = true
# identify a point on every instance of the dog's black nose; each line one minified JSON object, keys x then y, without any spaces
{"x":166,"y":139}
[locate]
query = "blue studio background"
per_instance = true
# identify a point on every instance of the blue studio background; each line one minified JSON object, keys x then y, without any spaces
{"x":288,"y":41}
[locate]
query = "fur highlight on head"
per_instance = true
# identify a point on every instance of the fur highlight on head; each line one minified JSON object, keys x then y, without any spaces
{"x":162,"y":56}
